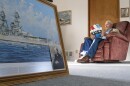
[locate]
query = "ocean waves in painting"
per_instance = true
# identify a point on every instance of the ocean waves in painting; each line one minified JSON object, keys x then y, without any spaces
{"x":15,"y":52}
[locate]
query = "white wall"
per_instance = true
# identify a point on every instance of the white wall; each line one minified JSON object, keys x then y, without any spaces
{"x":126,"y":4}
{"x":73,"y":35}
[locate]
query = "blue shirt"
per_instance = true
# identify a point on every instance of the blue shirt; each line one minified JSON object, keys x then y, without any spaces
{"x":108,"y":30}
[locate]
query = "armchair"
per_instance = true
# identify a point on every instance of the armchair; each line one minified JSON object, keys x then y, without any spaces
{"x":115,"y":47}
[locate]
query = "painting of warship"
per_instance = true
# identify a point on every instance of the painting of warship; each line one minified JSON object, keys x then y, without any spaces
{"x":20,"y":40}
{"x":15,"y":32}
{"x":17,"y":45}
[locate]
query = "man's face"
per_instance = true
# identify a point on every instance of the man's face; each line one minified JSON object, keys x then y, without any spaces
{"x":108,"y":25}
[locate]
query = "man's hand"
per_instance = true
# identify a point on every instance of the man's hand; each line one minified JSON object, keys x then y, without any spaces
{"x":92,"y":36}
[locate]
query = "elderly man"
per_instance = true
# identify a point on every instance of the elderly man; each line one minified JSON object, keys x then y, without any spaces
{"x":96,"y":31}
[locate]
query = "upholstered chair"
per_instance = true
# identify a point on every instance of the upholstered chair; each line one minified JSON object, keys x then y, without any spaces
{"x":115,"y":47}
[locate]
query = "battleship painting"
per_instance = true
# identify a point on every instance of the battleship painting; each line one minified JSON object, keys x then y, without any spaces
{"x":26,"y":37}
{"x":15,"y":32}
{"x":17,"y":45}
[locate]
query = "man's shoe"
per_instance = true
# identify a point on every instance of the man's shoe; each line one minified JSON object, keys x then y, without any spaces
{"x":84,"y":59}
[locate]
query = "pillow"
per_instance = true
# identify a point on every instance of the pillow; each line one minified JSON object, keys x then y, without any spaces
{"x":115,"y":30}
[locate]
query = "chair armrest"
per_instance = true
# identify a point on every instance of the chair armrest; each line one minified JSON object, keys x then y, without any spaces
{"x":102,"y":43}
{"x":110,"y":36}
{"x":117,"y":35}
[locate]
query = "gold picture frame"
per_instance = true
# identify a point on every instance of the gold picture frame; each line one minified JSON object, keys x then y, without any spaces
{"x":52,"y":37}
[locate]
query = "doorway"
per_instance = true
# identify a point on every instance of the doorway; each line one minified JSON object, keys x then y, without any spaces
{"x":101,"y":10}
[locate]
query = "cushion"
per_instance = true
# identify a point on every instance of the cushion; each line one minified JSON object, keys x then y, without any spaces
{"x":114,"y":30}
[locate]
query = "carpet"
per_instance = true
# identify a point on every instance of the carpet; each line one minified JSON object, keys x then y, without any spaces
{"x":114,"y":71}
{"x":72,"y":80}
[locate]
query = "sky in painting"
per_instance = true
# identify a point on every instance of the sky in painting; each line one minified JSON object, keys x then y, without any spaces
{"x":35,"y":17}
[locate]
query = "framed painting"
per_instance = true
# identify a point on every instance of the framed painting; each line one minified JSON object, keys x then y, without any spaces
{"x":124,"y":12}
{"x":65,"y":17}
{"x":31,"y":45}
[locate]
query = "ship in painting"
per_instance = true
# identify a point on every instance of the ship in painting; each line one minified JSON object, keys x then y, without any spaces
{"x":22,"y":46}
{"x":15,"y":33}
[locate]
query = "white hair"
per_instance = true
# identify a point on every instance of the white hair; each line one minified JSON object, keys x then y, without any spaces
{"x":110,"y":22}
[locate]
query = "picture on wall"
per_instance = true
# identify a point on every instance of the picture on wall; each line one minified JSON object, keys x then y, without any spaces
{"x":65,"y":17}
{"x":124,"y":12}
{"x":29,"y":36}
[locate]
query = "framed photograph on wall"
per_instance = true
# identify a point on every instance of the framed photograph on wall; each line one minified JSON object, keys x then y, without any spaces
{"x":65,"y":17}
{"x":124,"y":12}
{"x":30,"y":41}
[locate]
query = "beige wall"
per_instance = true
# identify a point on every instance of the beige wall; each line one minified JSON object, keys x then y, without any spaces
{"x":73,"y":34}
